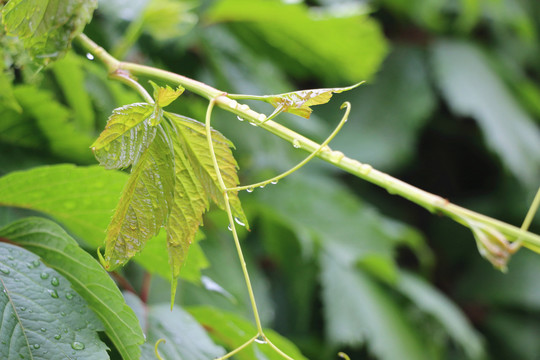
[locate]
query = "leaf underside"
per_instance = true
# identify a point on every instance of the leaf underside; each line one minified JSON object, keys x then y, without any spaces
{"x":299,"y":102}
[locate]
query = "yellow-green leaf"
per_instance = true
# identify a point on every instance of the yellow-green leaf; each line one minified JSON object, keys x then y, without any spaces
{"x":129,"y":132}
{"x":145,"y":203}
{"x":165,"y":95}
{"x":299,"y":102}
{"x":190,"y":203}
{"x":192,"y":136}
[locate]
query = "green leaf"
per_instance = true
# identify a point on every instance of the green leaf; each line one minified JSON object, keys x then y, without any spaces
{"x":42,"y":316}
{"x":472,"y":88}
{"x":7,"y":98}
{"x":431,"y":301}
{"x":145,"y":203}
{"x":43,"y":114}
{"x":192,"y":137}
{"x":190,"y":203}
{"x":304,"y":41}
{"x":129,"y":132}
{"x":232,"y":331}
{"x":69,"y":74}
{"x":47,"y":27}
{"x":299,"y":102}
{"x":60,"y":252}
{"x":165,"y":95}
{"x":81,"y":198}
{"x":358,"y":311}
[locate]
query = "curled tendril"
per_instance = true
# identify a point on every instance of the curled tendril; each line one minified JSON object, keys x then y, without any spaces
{"x":346,"y":105}
{"x":343,"y":355}
{"x":156,"y":348}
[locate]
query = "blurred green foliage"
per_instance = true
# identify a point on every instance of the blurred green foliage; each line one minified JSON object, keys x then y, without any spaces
{"x":452,"y":105}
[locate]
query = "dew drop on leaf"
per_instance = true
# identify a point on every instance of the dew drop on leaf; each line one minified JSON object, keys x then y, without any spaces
{"x":229,"y":227}
{"x":243,"y":107}
{"x":43,"y":330}
{"x":77,"y":345}
{"x":36,"y":346}
{"x":57,"y":337}
{"x":55,"y":281}
{"x":274,"y":182}
{"x":4,"y":271}
{"x":262,"y":117}
{"x":239,"y":222}
{"x":44,"y":275}
{"x":252,"y":123}
{"x":69,"y":296}
{"x":239,"y":118}
{"x":249,"y":190}
{"x":53,"y":294}
{"x":35,"y":263}
{"x":296,"y":143}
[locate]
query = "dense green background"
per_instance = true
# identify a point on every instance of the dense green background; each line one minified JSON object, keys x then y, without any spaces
{"x":452,"y":105}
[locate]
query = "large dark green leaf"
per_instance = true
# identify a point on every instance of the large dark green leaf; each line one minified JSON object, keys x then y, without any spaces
{"x":59,"y":251}
{"x":472,"y":88}
{"x":42,"y":317}
{"x":388,"y":114}
{"x":305,"y":40}
{"x":47,"y":26}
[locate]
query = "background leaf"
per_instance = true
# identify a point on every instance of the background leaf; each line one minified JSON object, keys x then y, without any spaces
{"x":461,"y":68}
{"x":43,"y":317}
{"x":60,"y":252}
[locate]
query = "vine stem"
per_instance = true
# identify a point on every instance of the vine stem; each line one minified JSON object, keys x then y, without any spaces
{"x":230,"y":216}
{"x":431,"y":202}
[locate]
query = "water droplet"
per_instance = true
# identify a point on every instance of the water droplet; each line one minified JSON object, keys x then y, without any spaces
{"x":239,"y":222}
{"x":55,"y":281}
{"x":89,"y":56}
{"x":63,"y":313}
{"x":36,"y":263}
{"x":57,"y":337}
{"x":4,"y":271}
{"x":21,"y":356}
{"x":243,"y":107}
{"x":252,"y":123}
{"x":36,"y":346}
{"x":261,"y":117}
{"x":43,"y":330}
{"x":53,"y":294}
{"x":274,"y":182}
{"x":77,"y":345}
{"x":296,"y":143}
{"x":229,"y":227}
{"x":44,"y":275}
{"x":66,"y":330}
{"x":22,"y":308}
{"x":10,"y":257}
{"x":233,"y":104}
{"x":239,"y":118}
{"x":262,"y":186}
{"x":69,"y":296}
{"x":249,"y":190}
{"x":260,"y":340}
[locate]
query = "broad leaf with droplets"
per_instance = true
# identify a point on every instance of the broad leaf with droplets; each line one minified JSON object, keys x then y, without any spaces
{"x":62,"y":253}
{"x":299,"y":102}
{"x":47,"y":27}
{"x":129,"y":132}
{"x":42,"y":316}
{"x":145,"y":203}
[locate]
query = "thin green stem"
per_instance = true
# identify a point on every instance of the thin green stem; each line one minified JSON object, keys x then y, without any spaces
{"x":278,"y":350}
{"x":431,"y":202}
{"x":238,"y":349}
{"x":230,"y":216}
{"x":306,"y":160}
{"x":126,"y":78}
